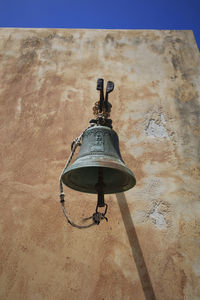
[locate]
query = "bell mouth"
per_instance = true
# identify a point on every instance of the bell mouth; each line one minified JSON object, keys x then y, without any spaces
{"x":117,"y":177}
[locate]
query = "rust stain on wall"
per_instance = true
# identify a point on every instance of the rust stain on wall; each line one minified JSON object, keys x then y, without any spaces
{"x":149,"y":249}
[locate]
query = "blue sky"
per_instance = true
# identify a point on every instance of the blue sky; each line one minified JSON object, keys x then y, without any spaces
{"x":118,"y":14}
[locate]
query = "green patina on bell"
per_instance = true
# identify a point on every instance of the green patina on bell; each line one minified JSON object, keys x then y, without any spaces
{"x":98,"y":168}
{"x":99,"y":154}
{"x":99,"y":149}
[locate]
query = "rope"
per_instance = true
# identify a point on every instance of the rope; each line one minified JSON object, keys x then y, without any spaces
{"x":75,"y":144}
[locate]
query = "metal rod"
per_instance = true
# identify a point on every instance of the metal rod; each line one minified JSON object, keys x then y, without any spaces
{"x":101,"y":202}
{"x":99,"y":188}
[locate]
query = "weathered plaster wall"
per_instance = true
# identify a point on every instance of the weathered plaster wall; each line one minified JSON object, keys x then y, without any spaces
{"x":150,"y":248}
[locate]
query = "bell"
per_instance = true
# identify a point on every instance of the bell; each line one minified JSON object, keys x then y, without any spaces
{"x":98,"y":168}
{"x":99,"y":164}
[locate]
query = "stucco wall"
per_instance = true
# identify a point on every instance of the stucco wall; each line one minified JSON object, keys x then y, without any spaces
{"x":149,"y":249}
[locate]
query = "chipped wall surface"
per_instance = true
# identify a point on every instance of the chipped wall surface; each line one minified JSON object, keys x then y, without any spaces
{"x":150,"y":248}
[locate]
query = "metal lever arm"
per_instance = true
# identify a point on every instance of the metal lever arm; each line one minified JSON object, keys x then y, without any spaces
{"x":109,"y":89}
{"x":100,"y":83}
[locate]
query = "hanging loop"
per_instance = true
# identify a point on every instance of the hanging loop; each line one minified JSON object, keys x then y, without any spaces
{"x":98,"y":216}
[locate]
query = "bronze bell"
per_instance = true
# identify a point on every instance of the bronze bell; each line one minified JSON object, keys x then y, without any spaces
{"x":99,"y":154}
{"x":98,"y":168}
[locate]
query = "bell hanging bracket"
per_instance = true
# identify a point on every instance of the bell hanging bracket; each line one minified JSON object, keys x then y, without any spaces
{"x":102,"y":108}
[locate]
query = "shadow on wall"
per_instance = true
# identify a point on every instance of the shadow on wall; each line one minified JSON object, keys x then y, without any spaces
{"x":135,"y":247}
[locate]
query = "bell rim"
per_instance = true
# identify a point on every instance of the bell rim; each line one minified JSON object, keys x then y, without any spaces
{"x":112,"y":165}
